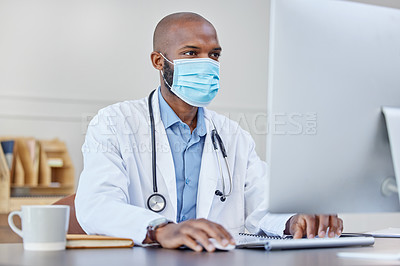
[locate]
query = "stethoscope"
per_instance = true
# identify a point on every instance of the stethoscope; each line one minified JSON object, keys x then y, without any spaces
{"x":156,"y":202}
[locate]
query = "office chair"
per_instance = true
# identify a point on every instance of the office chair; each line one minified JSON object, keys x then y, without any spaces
{"x":74,"y":227}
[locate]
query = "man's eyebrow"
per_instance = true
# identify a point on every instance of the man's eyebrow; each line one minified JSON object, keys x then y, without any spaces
{"x":190,"y":46}
{"x":196,"y":47}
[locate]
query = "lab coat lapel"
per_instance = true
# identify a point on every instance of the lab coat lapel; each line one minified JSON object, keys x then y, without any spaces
{"x":164,"y":160}
{"x":209,"y":174}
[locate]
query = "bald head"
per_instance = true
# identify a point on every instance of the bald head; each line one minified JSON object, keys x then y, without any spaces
{"x":166,"y":28}
{"x":181,"y":36}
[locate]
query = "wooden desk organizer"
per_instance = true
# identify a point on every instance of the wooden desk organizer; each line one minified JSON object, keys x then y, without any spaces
{"x":42,"y":172}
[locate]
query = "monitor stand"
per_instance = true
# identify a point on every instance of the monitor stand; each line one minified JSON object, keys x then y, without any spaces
{"x":392,"y":117}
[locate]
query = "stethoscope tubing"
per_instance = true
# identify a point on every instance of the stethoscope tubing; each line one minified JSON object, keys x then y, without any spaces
{"x":153,"y":142}
{"x":215,"y":138}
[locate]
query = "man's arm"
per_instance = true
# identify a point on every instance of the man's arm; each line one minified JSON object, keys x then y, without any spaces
{"x":103,"y":204}
{"x":102,"y":200}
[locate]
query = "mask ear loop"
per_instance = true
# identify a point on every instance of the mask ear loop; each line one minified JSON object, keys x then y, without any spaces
{"x":162,"y":73}
{"x":166,"y":59}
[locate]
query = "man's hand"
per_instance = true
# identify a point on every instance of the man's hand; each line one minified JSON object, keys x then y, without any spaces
{"x":194,"y":234}
{"x":312,"y":225}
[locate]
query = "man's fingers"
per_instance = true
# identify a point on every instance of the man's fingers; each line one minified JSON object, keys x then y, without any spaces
{"x":191,"y":243}
{"x":215,"y":231}
{"x":336,"y":226}
{"x":195,"y":234}
{"x":226,"y":237}
{"x":298,"y":232}
{"x":202,"y":237}
{"x":298,"y":228}
{"x":198,"y":236}
{"x":311,"y":226}
{"x":323,"y":225}
{"x":333,"y":225}
{"x":340,"y":228}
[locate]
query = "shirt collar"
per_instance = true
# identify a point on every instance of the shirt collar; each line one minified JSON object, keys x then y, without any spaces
{"x":169,"y":118}
{"x":201,"y":125}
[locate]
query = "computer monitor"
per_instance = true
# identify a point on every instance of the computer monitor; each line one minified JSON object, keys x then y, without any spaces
{"x":332,"y":66}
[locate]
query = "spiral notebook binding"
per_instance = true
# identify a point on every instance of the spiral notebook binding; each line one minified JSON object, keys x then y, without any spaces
{"x":261,"y":236}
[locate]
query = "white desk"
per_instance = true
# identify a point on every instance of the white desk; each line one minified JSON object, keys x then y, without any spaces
{"x":14,"y":254}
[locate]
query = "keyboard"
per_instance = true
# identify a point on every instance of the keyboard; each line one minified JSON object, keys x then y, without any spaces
{"x":278,"y":243}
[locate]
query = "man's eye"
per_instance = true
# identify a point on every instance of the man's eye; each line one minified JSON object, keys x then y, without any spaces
{"x":190,"y":53}
{"x":215,"y":55}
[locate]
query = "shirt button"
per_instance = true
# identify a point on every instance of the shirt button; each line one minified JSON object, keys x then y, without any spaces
{"x":183,"y":218}
{"x":187,"y":181}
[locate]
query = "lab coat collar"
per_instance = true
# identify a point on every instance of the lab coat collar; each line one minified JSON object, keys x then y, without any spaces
{"x":209,"y":173}
{"x":156,"y":112}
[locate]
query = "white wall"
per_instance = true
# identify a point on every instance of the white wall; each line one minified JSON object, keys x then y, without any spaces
{"x":61,"y":61}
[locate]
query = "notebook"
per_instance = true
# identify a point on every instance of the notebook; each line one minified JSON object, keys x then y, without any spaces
{"x":96,"y":241}
{"x":244,"y":240}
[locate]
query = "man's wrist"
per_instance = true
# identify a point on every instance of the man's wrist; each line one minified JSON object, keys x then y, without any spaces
{"x":152,"y":229}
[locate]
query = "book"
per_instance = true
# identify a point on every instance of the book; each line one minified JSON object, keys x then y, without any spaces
{"x":97,"y":241}
{"x":4,"y":183}
{"x":34,"y":153}
{"x":17,"y":172}
{"x":55,"y":162}
{"x":8,"y":149}
{"x":26,"y":153}
{"x":4,"y":170}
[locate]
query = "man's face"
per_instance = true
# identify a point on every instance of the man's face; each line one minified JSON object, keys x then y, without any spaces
{"x":194,"y":39}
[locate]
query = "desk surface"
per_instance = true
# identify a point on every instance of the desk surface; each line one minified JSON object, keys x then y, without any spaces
{"x":14,"y":254}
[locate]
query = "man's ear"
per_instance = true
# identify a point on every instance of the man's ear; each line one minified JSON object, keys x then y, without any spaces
{"x":157,"y":60}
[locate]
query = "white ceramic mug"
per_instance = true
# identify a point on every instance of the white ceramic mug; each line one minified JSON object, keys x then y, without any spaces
{"x":44,"y":227}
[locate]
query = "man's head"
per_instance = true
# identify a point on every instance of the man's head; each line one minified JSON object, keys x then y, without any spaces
{"x":183,"y":36}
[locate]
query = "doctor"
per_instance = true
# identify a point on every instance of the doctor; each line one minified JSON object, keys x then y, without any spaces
{"x":165,"y":177}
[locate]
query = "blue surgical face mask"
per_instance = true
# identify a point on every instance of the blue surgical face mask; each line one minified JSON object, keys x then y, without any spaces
{"x":195,"y":81}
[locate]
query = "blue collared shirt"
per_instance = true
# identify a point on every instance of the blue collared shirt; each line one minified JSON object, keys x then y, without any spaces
{"x":187,"y":150}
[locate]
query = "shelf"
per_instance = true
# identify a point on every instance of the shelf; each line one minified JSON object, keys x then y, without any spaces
{"x":41,"y":191}
{"x":42,"y":186}
{"x":42,"y":173}
{"x":15,"y":203}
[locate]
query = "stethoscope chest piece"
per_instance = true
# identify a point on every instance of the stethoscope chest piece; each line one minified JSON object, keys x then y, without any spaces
{"x":156,"y":202}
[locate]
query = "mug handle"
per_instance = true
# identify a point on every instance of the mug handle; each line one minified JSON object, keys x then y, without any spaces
{"x":11,"y":222}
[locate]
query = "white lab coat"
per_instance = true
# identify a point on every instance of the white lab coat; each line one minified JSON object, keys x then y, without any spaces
{"x":117,"y":177}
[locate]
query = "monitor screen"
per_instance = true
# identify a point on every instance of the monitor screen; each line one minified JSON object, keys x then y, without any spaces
{"x":332,"y":66}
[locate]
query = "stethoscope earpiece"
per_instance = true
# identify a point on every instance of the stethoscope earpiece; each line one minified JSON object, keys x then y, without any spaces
{"x":218,"y":193}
